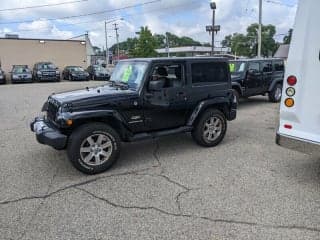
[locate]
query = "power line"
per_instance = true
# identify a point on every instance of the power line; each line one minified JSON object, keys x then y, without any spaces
{"x":126,"y":15}
{"x":84,"y":15}
{"x":41,"y":6}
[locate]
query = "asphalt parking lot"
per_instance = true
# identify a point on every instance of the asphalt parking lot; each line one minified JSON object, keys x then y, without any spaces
{"x":168,"y":188}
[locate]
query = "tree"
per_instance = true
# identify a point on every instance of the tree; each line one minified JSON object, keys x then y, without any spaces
{"x":247,"y":45}
{"x":146,"y":44}
{"x":287,"y":38}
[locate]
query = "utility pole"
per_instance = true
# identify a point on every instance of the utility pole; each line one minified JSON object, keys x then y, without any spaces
{"x":260,"y":29}
{"x":117,"y":36}
{"x":167,"y":45}
{"x":212,"y":29}
{"x":107,"y":49}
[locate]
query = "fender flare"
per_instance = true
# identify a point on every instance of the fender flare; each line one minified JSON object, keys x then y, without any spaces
{"x":204,"y":104}
{"x":238,"y":85}
{"x":273,"y":84}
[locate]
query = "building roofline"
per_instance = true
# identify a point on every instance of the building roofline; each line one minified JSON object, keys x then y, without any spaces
{"x":43,"y":39}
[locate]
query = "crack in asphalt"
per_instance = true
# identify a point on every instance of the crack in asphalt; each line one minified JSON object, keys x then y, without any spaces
{"x":39,"y":206}
{"x":213,"y":220}
{"x":185,"y":188}
{"x":49,"y":194}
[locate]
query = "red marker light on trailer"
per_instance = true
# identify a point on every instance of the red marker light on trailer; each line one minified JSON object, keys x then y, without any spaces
{"x":292,"y":80}
{"x":288,"y":126}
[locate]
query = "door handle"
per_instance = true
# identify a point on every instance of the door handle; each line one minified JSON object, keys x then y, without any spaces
{"x":181,"y":94}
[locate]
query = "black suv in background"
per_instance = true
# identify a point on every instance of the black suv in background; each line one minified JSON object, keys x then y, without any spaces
{"x":75,"y":73}
{"x":145,"y":98}
{"x":20,"y":74}
{"x":98,"y":72}
{"x":2,"y":77}
{"x":257,"y":77}
{"x":46,"y":71}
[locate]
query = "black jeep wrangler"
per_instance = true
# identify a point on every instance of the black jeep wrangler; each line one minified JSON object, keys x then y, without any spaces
{"x":145,"y":98}
{"x":254,"y":77}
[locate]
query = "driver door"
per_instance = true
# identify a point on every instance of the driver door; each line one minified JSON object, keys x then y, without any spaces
{"x":165,"y":107}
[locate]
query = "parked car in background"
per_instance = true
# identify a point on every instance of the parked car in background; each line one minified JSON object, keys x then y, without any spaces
{"x":21,"y":74}
{"x":145,"y":98}
{"x":98,"y":72}
{"x":254,"y":77}
{"x":2,"y":77}
{"x":46,"y":71}
{"x":75,"y":73}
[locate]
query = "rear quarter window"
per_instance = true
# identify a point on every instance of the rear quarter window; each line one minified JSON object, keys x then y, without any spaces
{"x":209,"y":73}
{"x":278,"y":66}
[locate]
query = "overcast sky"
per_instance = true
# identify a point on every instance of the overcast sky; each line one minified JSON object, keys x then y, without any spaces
{"x":181,"y":17}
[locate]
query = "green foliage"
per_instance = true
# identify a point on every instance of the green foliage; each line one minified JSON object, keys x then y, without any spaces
{"x":146,"y":44}
{"x":247,"y":45}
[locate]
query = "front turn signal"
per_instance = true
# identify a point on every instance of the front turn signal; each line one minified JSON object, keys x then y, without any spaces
{"x":69,"y":122}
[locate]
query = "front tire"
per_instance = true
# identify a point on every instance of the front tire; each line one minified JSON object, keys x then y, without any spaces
{"x":275,"y":94}
{"x":210,"y":129}
{"x":93,"y":148}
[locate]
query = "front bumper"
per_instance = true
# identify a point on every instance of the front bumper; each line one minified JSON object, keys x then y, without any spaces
{"x":48,"y":134}
{"x":21,"y":80}
{"x":298,"y":144}
{"x":80,"y":77}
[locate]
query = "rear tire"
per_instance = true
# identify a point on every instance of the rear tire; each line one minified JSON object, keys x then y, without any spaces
{"x":275,"y":93}
{"x":93,"y":148}
{"x":210,"y":129}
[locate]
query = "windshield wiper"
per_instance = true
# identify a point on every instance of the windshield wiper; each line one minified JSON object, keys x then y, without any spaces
{"x":121,"y":84}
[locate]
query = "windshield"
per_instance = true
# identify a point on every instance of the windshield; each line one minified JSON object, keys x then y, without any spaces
{"x":130,"y":73}
{"x":21,"y":70}
{"x":99,"y":69}
{"x":47,"y":66}
{"x":76,"y":69}
{"x":237,"y":67}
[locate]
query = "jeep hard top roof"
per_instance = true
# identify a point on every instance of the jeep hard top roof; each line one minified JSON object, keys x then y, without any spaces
{"x":256,"y":59}
{"x":172,"y":59}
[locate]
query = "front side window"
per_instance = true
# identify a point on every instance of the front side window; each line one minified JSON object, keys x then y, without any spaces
{"x":129,"y":73}
{"x":213,"y":72}
{"x":170,"y":74}
{"x":254,"y":67}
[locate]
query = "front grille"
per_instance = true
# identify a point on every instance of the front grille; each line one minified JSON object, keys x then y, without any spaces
{"x":53,"y":107}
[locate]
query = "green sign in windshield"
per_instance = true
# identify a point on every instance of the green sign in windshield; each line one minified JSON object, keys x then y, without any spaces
{"x":232,"y":67}
{"x":127,"y":73}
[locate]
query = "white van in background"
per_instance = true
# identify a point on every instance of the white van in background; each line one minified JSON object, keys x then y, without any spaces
{"x":300,"y":105}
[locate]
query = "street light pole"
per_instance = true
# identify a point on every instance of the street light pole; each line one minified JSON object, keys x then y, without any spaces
{"x":260,"y":29}
{"x":107,"y":50}
{"x":213,"y":7}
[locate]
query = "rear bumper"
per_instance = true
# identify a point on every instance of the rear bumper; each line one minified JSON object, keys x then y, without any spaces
{"x":298,"y":144}
{"x":48,"y":135}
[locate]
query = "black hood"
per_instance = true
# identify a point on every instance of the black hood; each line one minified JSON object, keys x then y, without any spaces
{"x":97,"y":95}
{"x":236,"y":77}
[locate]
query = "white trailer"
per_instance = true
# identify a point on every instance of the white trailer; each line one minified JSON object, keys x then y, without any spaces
{"x":299,"y":127}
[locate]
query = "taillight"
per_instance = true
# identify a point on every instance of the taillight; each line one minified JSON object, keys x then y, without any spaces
{"x":292,"y":80}
{"x":289,"y":102}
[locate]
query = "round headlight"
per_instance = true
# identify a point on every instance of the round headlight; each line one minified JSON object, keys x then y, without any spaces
{"x":290,"y":91}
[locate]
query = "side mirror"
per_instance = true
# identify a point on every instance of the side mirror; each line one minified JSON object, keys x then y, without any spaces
{"x":156,"y":85}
